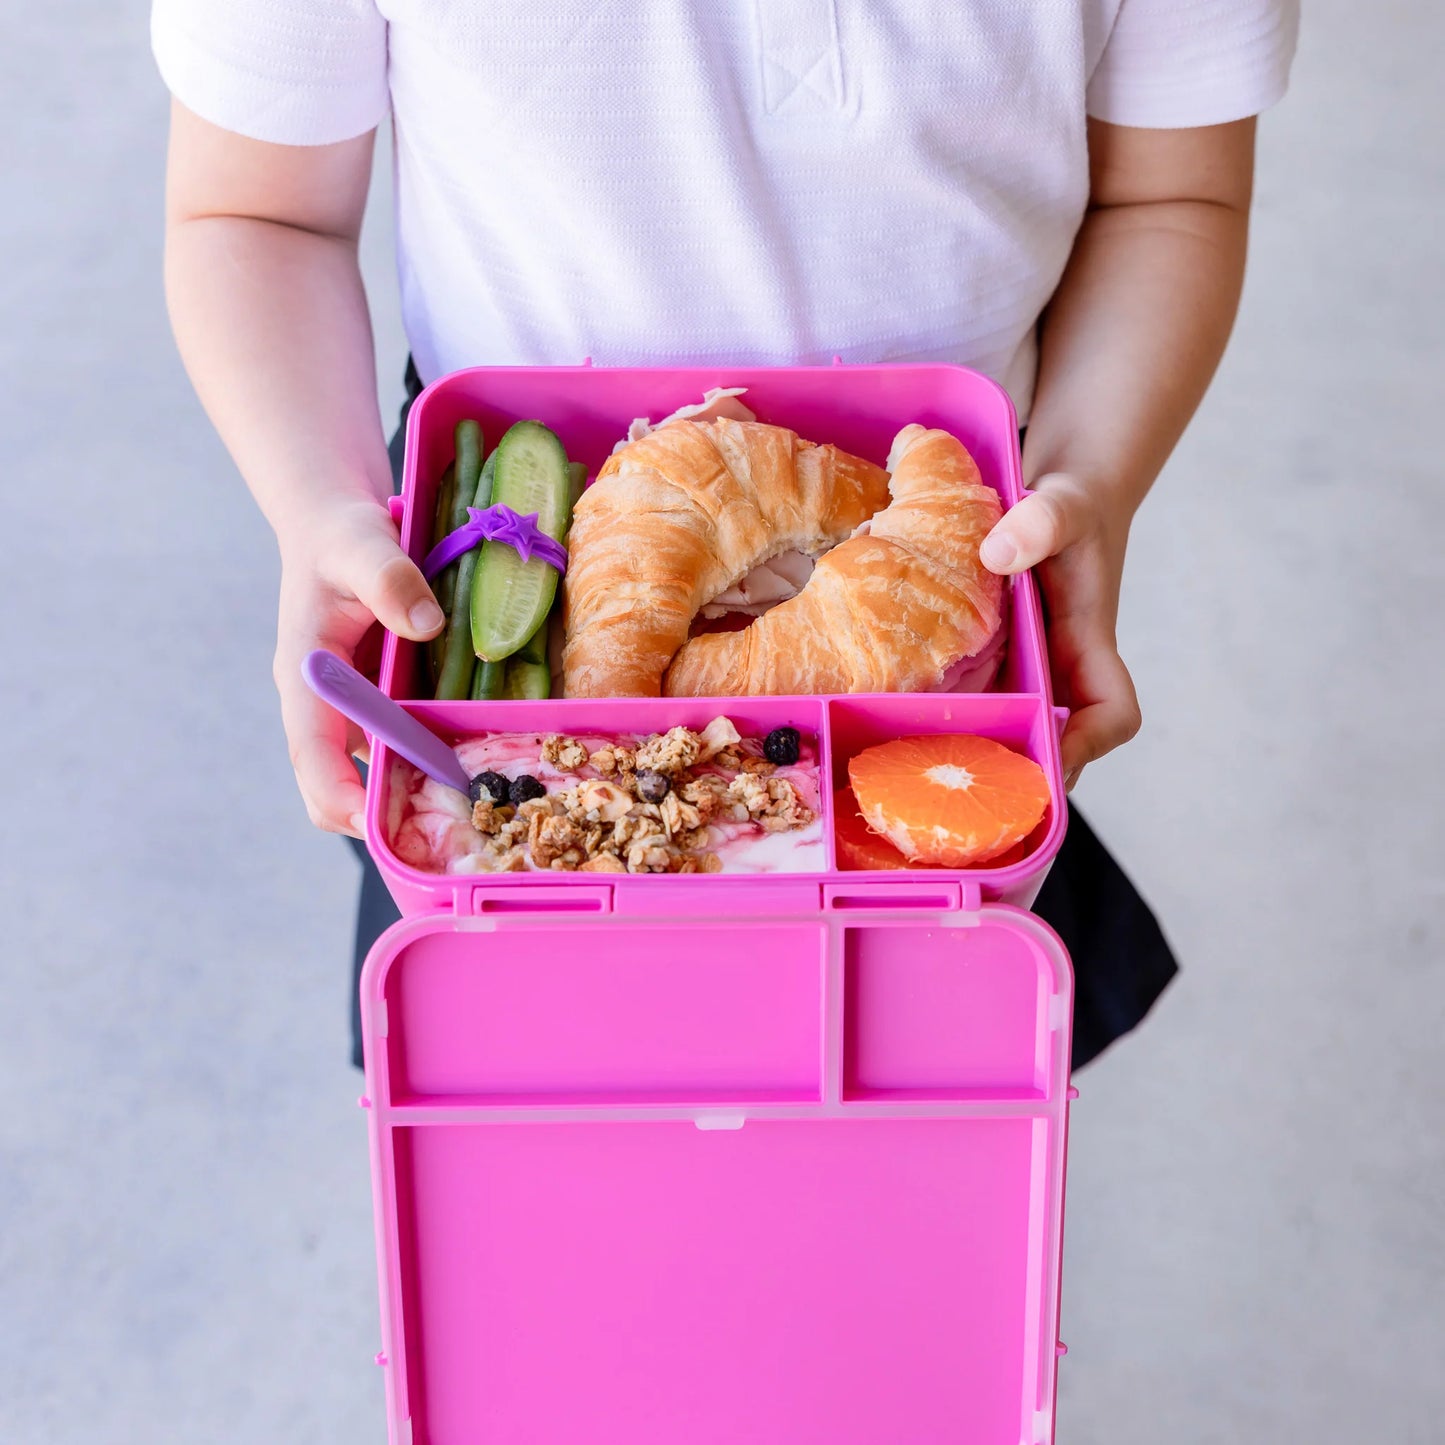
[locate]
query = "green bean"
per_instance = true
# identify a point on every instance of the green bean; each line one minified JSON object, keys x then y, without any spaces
{"x":534,"y":649}
{"x":527,"y":679}
{"x":453,"y":500}
{"x":444,"y":585}
{"x":469,"y":470}
{"x":485,"y":483}
{"x":446,"y":495}
{"x":488,"y":680}
{"x":474,"y":487}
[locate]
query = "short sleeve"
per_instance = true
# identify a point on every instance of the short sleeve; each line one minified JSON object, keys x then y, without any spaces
{"x":294,"y":72}
{"x":1175,"y":63}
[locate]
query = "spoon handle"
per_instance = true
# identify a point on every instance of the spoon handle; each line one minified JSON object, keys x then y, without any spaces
{"x":339,"y":684}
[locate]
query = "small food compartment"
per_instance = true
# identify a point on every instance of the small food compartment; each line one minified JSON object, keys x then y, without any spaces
{"x":1024,"y":725}
{"x":555,"y":1010}
{"x":752,"y":801}
{"x":945,"y":1013}
{"x":858,"y":409}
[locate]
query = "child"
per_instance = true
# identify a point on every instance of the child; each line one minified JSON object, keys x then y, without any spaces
{"x":1056,"y":193}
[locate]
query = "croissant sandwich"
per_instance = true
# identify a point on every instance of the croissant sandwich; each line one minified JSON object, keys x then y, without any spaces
{"x":897,"y":600}
{"x":678,"y":517}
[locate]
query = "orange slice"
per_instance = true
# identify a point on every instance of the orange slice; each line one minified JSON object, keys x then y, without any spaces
{"x":858,"y":845}
{"x":951,"y":801}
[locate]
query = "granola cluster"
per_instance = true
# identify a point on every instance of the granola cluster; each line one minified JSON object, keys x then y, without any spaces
{"x":647,"y":809}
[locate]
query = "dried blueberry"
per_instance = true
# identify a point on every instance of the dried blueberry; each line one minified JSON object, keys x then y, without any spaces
{"x":781,"y":746}
{"x":490,"y":785}
{"x":524,"y":788}
{"x":652,"y":787}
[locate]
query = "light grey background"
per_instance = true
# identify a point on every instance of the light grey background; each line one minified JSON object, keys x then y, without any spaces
{"x":1255,"y":1239}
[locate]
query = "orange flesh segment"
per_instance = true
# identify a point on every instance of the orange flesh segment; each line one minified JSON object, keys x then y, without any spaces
{"x":950,"y":801}
{"x":858,"y":845}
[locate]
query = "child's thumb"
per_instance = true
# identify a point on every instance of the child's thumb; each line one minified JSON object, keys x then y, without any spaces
{"x":390,"y":585}
{"x":1050,"y":516}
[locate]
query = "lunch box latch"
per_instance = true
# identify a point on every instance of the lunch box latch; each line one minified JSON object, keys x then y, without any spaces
{"x":578,"y":900}
{"x":958,"y":902}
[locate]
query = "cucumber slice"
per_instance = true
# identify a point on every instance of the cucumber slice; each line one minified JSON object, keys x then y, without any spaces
{"x":510,"y":597}
{"x":527,"y":680}
{"x":488,"y":680}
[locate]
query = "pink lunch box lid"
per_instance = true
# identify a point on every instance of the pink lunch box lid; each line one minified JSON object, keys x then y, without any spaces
{"x":785,"y":1178}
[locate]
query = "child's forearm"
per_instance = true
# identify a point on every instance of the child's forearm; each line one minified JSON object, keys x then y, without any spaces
{"x":1141,"y":317}
{"x":273,"y":327}
{"x":270,"y":315}
{"x":1131,"y":341}
{"x":1128,"y":346}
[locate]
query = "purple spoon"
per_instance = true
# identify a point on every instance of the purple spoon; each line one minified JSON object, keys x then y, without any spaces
{"x":339,"y":684}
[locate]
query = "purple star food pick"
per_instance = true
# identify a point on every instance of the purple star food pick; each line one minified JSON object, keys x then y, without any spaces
{"x":496,"y":524}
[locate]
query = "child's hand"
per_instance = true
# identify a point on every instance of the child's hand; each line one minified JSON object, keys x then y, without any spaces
{"x":1128,"y":344}
{"x":270,"y":314}
{"x":1078,"y":546}
{"x":340,"y":574}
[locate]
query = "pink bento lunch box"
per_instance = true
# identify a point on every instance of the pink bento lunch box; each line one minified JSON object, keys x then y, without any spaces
{"x":703,"y":1160}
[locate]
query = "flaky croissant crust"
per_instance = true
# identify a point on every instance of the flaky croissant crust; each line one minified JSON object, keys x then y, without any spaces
{"x":890,"y":610}
{"x":678,"y":517}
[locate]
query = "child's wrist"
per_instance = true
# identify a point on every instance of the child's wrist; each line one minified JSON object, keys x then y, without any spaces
{"x":1113,"y":488}
{"x":319,"y":540}
{"x":1112,"y":495}
{"x":305,"y":522}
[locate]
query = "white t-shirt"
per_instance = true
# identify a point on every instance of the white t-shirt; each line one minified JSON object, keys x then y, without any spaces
{"x":727,"y":181}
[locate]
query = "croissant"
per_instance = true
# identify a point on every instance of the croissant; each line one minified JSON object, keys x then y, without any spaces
{"x":890,"y":610}
{"x":678,"y":517}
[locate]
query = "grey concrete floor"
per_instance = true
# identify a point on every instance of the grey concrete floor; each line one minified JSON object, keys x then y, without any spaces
{"x":1255,"y":1243}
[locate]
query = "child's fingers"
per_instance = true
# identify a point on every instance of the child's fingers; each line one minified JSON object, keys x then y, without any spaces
{"x":320,"y":742}
{"x":389,"y":584}
{"x":1058,"y":519}
{"x":1105,"y":707}
{"x":1056,"y":513}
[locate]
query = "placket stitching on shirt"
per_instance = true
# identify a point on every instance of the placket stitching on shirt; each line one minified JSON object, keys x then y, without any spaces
{"x":800,"y":60}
